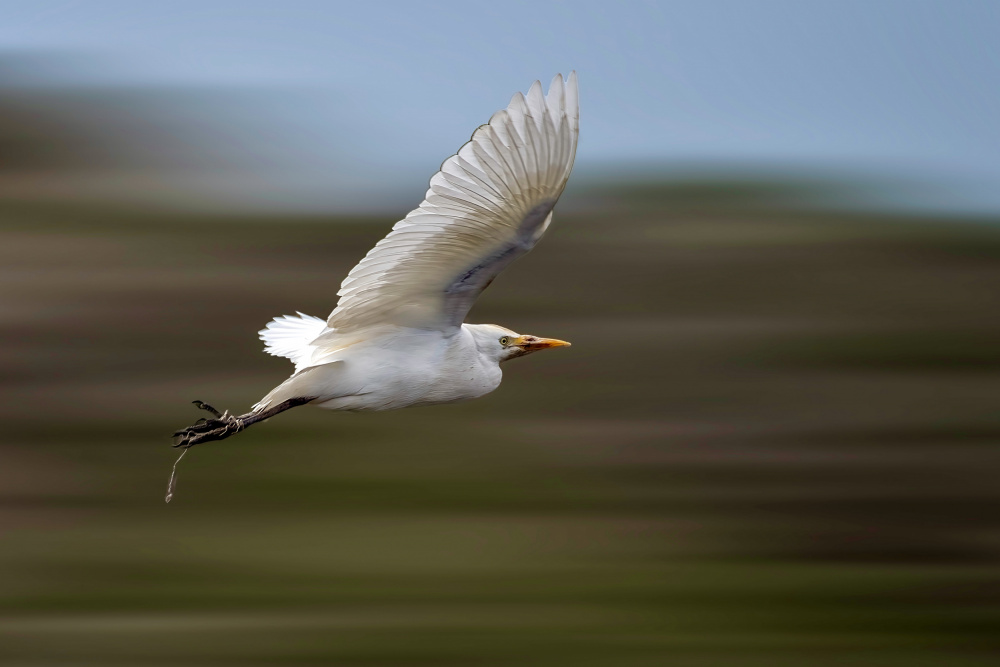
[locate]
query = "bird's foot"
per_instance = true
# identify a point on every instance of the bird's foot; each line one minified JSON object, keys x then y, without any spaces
{"x":207,"y":430}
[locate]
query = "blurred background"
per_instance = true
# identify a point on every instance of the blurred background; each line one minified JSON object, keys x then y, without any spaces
{"x":774,"y":442}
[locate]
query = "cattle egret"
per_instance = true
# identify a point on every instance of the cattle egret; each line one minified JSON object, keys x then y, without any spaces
{"x":396,"y":337}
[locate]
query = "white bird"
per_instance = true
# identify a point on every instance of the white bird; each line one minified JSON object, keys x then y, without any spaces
{"x":396,"y":337}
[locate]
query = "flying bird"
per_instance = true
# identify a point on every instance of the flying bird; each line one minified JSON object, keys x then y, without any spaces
{"x":397,"y":337}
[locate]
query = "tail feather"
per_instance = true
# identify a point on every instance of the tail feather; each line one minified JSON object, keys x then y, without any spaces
{"x":290,"y":336}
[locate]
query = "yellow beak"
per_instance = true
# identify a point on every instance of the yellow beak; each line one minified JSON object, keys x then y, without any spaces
{"x":533,"y":343}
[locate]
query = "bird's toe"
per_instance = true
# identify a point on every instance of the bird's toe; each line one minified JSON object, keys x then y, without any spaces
{"x":205,"y":430}
{"x":208,"y":408}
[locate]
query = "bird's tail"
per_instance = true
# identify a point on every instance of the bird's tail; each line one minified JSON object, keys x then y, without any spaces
{"x":290,"y":336}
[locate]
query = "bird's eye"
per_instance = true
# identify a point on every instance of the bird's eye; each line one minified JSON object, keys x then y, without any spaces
{"x":505,"y":341}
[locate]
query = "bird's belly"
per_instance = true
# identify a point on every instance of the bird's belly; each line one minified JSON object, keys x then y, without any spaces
{"x":401,"y":389}
{"x":453,"y":390}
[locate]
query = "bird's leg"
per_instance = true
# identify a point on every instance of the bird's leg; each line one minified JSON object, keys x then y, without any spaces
{"x":225,"y":424}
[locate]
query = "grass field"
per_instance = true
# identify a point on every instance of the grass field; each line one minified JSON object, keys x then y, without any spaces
{"x":775,"y":441}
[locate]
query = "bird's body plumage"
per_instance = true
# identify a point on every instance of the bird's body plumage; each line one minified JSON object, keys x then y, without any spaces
{"x":396,"y":337}
{"x":395,"y":367}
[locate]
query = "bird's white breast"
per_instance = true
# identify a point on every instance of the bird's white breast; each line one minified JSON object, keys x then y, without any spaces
{"x":405,"y":367}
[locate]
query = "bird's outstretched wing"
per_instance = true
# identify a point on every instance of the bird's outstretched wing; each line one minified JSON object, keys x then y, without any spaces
{"x":488,"y":205}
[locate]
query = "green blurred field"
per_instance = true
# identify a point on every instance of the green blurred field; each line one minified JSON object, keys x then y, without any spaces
{"x":774,"y":442}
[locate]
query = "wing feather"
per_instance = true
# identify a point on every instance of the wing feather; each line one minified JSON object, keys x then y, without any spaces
{"x":488,"y":205}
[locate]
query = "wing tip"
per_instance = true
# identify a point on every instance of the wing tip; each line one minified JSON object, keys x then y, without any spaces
{"x":572,"y":96}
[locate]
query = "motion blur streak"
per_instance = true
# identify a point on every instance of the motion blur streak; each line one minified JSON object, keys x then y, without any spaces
{"x":792,"y":461}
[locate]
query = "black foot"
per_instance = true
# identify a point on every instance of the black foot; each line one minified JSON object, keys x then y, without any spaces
{"x":207,"y":430}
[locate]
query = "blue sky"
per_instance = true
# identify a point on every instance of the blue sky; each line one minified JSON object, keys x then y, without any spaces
{"x":905,"y":89}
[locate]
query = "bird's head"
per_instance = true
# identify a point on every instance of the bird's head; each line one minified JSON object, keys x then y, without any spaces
{"x":501,"y":344}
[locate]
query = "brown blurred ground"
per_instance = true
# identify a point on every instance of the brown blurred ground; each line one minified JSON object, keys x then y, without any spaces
{"x":774,"y":442}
